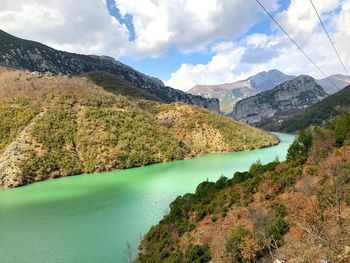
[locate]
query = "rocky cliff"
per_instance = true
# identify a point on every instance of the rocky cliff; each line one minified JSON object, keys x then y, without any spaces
{"x":283,"y":101}
{"x":33,"y":56}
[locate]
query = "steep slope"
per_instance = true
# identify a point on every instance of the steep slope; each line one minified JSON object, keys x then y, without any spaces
{"x":34,"y":56}
{"x":339,"y":80}
{"x":53,"y":126}
{"x":294,"y":211}
{"x":319,"y":113}
{"x":230,"y":93}
{"x":279,"y":103}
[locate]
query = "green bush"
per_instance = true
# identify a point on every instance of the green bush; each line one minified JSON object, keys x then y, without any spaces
{"x":276,"y":227}
{"x":341,"y":129}
{"x":300,"y":148}
{"x":279,"y":208}
{"x":198,"y":254}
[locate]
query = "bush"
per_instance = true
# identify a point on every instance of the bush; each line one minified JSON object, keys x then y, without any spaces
{"x":276,"y":227}
{"x":239,"y":177}
{"x":198,"y":254}
{"x":234,"y":241}
{"x":300,"y":148}
{"x":279,"y":208}
{"x":341,"y":129}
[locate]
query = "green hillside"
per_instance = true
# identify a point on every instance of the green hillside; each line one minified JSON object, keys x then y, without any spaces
{"x":297,"y":210}
{"x":53,"y":126}
{"x":320,"y":112}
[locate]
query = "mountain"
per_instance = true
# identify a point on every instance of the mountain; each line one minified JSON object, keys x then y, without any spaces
{"x":340,"y":81}
{"x":230,"y":93}
{"x":55,"y":125}
{"x":264,"y":81}
{"x":33,"y":56}
{"x":279,"y":103}
{"x":291,"y":211}
{"x":319,"y":113}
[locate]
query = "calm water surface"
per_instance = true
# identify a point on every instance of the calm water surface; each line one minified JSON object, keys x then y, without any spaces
{"x":91,"y":218}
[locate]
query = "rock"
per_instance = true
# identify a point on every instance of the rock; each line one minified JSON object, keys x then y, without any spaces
{"x":283,"y":101}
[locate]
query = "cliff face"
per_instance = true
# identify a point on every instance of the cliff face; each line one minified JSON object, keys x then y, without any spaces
{"x":33,"y":56}
{"x":283,"y":101}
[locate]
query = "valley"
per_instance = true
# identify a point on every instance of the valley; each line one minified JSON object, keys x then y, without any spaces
{"x":174,"y":131}
{"x":93,"y":217}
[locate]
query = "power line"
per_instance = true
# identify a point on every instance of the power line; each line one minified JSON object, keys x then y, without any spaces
{"x":330,"y":40}
{"x":295,"y":43}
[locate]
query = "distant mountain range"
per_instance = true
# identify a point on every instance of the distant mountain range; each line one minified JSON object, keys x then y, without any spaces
{"x":33,"y":56}
{"x":334,"y":83}
{"x":283,"y":101}
{"x":230,"y":93}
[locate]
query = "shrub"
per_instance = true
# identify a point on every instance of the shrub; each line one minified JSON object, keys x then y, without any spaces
{"x":276,"y":227}
{"x":341,"y":129}
{"x":279,"y":208}
{"x":234,"y":241}
{"x":198,"y":254}
{"x":300,"y":147}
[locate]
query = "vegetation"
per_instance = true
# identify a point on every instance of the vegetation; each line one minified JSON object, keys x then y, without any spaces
{"x":14,"y":116}
{"x":296,"y":210}
{"x":70,"y":125}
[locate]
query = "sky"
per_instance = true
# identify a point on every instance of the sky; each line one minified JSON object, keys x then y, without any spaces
{"x":189,"y":42}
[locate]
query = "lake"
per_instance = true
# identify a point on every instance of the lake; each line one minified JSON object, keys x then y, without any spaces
{"x":92,"y":218}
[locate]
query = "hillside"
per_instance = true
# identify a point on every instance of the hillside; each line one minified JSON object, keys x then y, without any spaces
{"x":33,"y":56}
{"x":283,"y":101}
{"x":293,"y":211}
{"x":230,"y":93}
{"x":319,"y":113}
{"x":53,"y":126}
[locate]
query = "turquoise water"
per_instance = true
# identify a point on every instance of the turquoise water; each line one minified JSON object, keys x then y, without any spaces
{"x":91,"y":218}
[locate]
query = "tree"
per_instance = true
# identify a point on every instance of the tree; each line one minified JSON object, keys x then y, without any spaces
{"x":300,"y":147}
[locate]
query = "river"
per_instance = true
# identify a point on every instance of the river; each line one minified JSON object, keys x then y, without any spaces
{"x":92,"y":218}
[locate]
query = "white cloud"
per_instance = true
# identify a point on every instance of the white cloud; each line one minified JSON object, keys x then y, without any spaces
{"x":300,"y":19}
{"x":190,"y":25}
{"x":258,"y":52}
{"x":221,"y":68}
{"x":77,"y":26}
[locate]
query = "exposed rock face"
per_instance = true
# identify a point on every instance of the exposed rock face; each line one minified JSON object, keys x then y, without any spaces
{"x":34,"y":56}
{"x":230,"y":93}
{"x":283,"y":101}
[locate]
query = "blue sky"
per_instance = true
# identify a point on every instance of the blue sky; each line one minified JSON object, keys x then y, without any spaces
{"x":189,"y":42}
